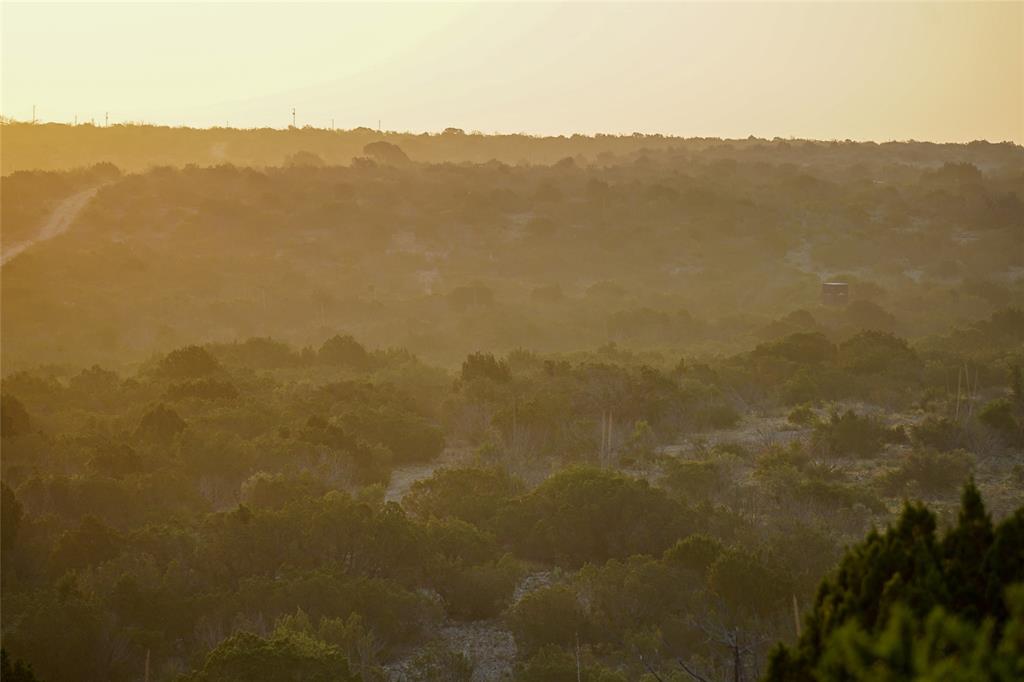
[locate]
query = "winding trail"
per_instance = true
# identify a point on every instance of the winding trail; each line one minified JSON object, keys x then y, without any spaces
{"x":488,"y":644}
{"x":57,"y":223}
{"x":402,"y":478}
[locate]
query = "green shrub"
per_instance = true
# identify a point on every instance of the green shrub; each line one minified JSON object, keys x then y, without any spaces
{"x":344,"y":351}
{"x":696,"y":553}
{"x":203,"y":389}
{"x":553,"y":664}
{"x":805,"y":348}
{"x":459,"y":541}
{"x":274,"y":491}
{"x":931,"y":472}
{"x":472,"y":495}
{"x":809,"y":385}
{"x":548,"y":616}
{"x":485,"y":366}
{"x":160,"y":424}
{"x":359,"y":643}
{"x":877,"y":352}
{"x":245,"y":657}
{"x":580,"y":515}
{"x":14,"y":419}
{"x":852,"y":435}
{"x":190,"y":362}
{"x":642,"y":443}
{"x":939,"y":433}
{"x":802,"y":415}
{"x":481,"y":591}
{"x":790,"y":474}
{"x":1002,"y":417}
{"x":409,"y":436}
{"x":438,"y":663}
{"x":747,"y":584}
{"x":715,"y":415}
{"x":694,"y":481}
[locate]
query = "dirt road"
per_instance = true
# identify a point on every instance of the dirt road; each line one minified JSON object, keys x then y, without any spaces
{"x":56,"y":223}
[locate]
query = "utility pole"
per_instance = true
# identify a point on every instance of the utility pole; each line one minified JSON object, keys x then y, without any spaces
{"x":293,"y":117}
{"x":76,"y":119}
{"x":33,"y":113}
{"x":515,"y":405}
{"x":579,"y":669}
{"x":332,"y":124}
{"x":610,"y":422}
{"x":106,"y":119}
{"x":737,"y":662}
{"x":378,"y":125}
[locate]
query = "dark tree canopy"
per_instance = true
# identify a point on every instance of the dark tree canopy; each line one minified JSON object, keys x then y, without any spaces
{"x":14,"y":419}
{"x":908,"y":574}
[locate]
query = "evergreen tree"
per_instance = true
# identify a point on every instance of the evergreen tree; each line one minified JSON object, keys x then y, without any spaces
{"x":904,"y":604}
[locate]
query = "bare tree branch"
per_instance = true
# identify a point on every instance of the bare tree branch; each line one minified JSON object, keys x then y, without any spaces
{"x":691,"y":673}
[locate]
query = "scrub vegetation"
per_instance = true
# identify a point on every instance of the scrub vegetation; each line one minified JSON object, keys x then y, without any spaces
{"x":342,"y":405}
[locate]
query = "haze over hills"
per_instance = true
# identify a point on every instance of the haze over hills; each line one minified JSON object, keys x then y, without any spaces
{"x":313,"y":405}
{"x":135,"y":147}
{"x":446,"y":243}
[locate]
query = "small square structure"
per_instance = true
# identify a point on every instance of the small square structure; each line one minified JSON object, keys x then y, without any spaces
{"x":835,"y":293}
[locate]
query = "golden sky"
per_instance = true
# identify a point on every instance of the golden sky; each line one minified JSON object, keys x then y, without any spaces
{"x":867,"y":70}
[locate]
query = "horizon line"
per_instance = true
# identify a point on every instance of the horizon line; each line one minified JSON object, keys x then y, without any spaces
{"x":10,"y":120}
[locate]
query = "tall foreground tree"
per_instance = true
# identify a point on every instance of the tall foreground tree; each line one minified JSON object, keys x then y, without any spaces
{"x":906,"y":604}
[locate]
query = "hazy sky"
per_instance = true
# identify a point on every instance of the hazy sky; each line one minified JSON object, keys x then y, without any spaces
{"x":870,"y":70}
